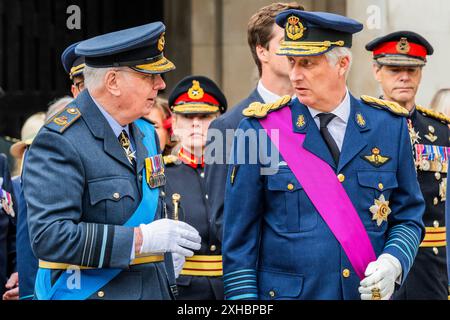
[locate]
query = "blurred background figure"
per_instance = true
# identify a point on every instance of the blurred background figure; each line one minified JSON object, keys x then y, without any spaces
{"x":441,"y":101}
{"x":9,"y":280}
{"x":195,"y":102}
{"x":161,"y":117}
{"x":27,"y":263}
{"x":57,"y":105}
{"x":74,"y":66}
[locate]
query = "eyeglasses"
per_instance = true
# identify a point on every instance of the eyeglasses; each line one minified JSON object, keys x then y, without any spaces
{"x":149,"y":76}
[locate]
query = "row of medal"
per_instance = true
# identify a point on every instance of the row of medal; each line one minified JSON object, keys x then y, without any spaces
{"x":432,"y":158}
{"x":154,"y":171}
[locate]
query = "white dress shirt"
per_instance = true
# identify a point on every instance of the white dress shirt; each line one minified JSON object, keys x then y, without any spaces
{"x":338,"y":125}
{"x":266,"y":95}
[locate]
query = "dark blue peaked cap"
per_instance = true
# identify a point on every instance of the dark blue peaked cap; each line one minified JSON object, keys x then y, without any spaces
{"x":140,"y":48}
{"x":315,"y":33}
{"x":72,"y":63}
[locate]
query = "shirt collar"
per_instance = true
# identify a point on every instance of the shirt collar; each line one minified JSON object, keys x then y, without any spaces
{"x":115,"y":126}
{"x":342,"y":111}
{"x":265,"y":94}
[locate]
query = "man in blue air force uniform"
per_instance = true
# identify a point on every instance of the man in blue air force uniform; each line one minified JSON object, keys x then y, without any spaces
{"x":339,"y":214}
{"x":93,"y":176}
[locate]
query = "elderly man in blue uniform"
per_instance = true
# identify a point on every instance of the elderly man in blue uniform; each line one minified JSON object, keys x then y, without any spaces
{"x":399,"y":58}
{"x":93,"y":180}
{"x":195,"y":102}
{"x":332,"y":208}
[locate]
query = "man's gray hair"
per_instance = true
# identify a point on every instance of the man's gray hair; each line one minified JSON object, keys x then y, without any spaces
{"x":93,"y":77}
{"x":336,"y":53}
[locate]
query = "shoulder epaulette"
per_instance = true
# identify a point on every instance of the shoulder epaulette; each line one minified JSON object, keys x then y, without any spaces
{"x":170,"y":159}
{"x":261,"y":110}
{"x":391,"y":106}
{"x":63,"y":119}
{"x":433,"y":114}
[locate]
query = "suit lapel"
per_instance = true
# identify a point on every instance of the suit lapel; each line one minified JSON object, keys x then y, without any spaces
{"x":100,"y":128}
{"x":313,"y":142}
{"x":354,"y":140}
{"x":113,"y":147}
{"x":141,"y":150}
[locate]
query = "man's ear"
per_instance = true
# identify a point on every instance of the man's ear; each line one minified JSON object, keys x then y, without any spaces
{"x":262,"y":53}
{"x":74,"y":91}
{"x":111,"y":83}
{"x":344,"y":64}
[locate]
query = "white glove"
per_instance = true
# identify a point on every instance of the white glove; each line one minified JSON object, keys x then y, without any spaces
{"x":168,"y":235}
{"x":178,"y":263}
{"x":381,"y":274}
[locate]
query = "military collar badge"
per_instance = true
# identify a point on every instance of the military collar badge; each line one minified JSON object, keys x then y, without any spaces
{"x":360,"y":120}
{"x":301,"y":122}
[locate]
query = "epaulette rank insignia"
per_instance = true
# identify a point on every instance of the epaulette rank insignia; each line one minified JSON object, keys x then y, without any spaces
{"x":170,"y":159}
{"x":260,"y":110}
{"x":391,"y":106}
{"x":63,"y":119}
{"x":433,"y":114}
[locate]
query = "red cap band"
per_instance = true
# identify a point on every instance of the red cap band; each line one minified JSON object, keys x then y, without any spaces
{"x":415,"y":50}
{"x":206,"y":98}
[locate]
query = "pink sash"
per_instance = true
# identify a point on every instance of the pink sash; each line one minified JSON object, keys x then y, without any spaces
{"x":324,"y":190}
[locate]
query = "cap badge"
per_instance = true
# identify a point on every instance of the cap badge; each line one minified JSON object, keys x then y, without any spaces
{"x":161,"y":42}
{"x":294,"y":28}
{"x":403,"y":46}
{"x":196,"y":92}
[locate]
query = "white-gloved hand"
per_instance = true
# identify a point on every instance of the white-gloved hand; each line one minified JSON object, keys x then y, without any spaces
{"x":178,"y":263}
{"x":166,"y":235}
{"x":380,"y":274}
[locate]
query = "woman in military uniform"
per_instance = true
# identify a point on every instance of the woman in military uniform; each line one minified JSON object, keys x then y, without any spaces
{"x":195,"y":102}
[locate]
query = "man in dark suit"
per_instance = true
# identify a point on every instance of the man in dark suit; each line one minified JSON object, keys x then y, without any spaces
{"x":264,"y":37}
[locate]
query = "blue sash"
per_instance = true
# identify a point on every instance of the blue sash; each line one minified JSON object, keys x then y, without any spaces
{"x":92,"y":280}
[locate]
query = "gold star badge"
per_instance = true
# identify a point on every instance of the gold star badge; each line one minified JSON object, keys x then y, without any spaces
{"x":380,"y":210}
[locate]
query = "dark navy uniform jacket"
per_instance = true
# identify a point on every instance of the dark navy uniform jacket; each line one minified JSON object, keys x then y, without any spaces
{"x":7,"y":230}
{"x":189,"y":182}
{"x":428,"y":276}
{"x":27,"y":263}
{"x":216,"y":173}
{"x":277,"y":246}
{"x":81,"y":189}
